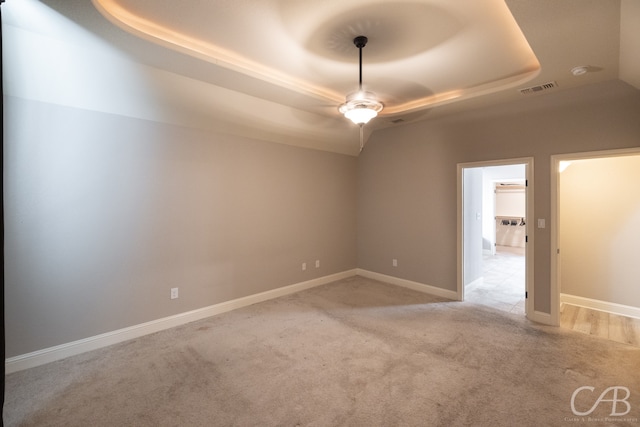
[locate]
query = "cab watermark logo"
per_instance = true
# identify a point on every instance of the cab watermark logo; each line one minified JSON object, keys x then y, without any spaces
{"x":617,"y":395}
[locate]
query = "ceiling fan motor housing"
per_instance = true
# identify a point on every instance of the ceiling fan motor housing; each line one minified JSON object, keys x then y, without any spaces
{"x":360,"y":41}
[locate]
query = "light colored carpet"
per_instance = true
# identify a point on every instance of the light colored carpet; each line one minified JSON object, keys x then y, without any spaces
{"x":355,"y":352}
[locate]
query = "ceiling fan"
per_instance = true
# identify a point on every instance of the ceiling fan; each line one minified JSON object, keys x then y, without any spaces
{"x":361,"y":106}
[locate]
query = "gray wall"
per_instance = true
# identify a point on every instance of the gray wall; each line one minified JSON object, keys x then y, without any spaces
{"x":104,"y":214}
{"x":600,"y":229}
{"x":119,"y":186}
{"x":407,"y":175}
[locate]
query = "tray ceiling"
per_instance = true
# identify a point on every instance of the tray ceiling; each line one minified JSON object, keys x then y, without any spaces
{"x":277,"y":70}
{"x":420,"y":53}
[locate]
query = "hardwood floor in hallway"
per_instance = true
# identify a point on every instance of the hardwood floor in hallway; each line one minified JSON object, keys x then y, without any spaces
{"x":601,"y":324}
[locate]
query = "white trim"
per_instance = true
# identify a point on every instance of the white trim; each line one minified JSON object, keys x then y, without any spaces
{"x":531,"y":231}
{"x":51,"y":354}
{"x":530,"y":245}
{"x":416,"y":286}
{"x":594,"y":304}
{"x":554,"y":224}
{"x":460,"y":233}
{"x":541,"y":317}
{"x":556,"y":254}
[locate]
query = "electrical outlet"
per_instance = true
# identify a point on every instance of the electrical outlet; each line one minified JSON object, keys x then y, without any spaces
{"x":317,"y":263}
{"x":395,"y":262}
{"x":304,"y":266}
{"x":174,"y":293}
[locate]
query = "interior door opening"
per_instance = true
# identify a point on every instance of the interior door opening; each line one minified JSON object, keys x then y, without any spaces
{"x":595,"y":241}
{"x":493,"y":205}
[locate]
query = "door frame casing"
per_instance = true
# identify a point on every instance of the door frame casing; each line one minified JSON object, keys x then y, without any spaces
{"x":529,"y":246}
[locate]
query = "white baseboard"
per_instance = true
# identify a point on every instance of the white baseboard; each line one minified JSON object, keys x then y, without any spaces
{"x":542,"y":317}
{"x":51,"y":354}
{"x":478,"y":281}
{"x":420,"y":287}
{"x":609,"y":307}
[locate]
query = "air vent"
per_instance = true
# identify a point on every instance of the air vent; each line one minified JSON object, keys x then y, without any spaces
{"x":539,"y":88}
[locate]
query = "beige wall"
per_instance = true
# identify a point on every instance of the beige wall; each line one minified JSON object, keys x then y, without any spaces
{"x":600,"y":229}
{"x":407,"y":175}
{"x":104,"y":214}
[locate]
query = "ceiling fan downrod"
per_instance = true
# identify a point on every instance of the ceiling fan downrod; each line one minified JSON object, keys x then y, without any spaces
{"x":360,"y":42}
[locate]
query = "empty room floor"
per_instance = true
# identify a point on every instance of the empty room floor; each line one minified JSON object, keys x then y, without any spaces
{"x":350,"y":353}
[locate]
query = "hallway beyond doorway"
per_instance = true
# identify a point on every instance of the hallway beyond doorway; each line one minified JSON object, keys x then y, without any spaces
{"x":502,"y":284}
{"x":480,"y":280}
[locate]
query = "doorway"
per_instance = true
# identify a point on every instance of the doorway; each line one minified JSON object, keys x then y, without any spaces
{"x":494,"y":249}
{"x":596,"y":212}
